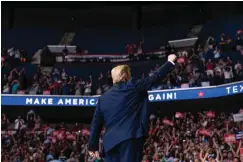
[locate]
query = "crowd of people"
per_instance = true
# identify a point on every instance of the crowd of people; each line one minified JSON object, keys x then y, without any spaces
{"x":184,"y":137}
{"x":197,"y":69}
{"x":12,"y":57}
{"x":200,"y":66}
{"x":31,"y":140}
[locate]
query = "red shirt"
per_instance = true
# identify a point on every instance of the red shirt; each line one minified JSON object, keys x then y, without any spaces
{"x":209,"y":66}
{"x":130,"y":48}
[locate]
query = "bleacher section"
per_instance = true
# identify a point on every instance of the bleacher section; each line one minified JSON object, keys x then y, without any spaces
{"x":109,"y":42}
{"x":114,"y":41}
{"x":105,"y":41}
{"x":29,"y":68}
{"x":30,"y":39}
{"x":227,"y":25}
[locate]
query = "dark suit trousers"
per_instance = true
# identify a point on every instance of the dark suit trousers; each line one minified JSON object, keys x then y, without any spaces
{"x":127,"y":151}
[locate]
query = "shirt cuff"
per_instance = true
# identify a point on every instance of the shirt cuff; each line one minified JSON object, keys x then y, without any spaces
{"x":172,"y":62}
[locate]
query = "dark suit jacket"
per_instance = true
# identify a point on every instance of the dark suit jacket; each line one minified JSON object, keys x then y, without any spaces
{"x":123,"y":110}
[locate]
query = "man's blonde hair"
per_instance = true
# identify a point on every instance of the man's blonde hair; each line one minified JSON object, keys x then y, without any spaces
{"x":121,"y":73}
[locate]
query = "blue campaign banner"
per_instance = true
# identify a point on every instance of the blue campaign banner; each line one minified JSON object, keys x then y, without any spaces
{"x":196,"y":93}
{"x":154,"y":96}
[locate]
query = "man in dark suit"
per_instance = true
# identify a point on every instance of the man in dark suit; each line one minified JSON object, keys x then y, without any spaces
{"x":123,"y":110}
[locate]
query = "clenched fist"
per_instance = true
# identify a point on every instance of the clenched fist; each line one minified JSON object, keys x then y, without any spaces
{"x":172,"y":58}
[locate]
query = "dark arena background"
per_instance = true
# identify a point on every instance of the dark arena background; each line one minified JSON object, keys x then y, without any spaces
{"x":56,"y":59}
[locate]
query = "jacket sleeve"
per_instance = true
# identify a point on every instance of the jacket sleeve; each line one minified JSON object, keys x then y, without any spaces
{"x":146,"y":83}
{"x":96,"y":127}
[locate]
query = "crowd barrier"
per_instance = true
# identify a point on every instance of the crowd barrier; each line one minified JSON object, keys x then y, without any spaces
{"x":153,"y":96}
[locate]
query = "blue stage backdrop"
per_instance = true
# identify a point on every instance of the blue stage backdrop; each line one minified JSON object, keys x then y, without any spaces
{"x":154,"y":96}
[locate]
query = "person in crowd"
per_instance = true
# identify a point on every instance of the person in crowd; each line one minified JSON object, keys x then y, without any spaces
{"x":15,"y":86}
{"x":99,"y":91}
{"x":238,"y":67}
{"x":223,"y":43}
{"x":23,"y":56}
{"x":19,"y":122}
{"x":228,"y":74}
{"x":239,"y":40}
{"x":140,"y":47}
{"x":239,"y":74}
{"x":55,"y":74}
{"x":78,"y":88}
{"x":4,"y":122}
{"x":217,"y":54}
{"x":209,"y":68}
{"x":131,"y":50}
{"x":66,"y":88}
{"x":210,"y":43}
{"x":22,"y":79}
{"x":88,"y":86}
{"x":64,"y":74}
{"x":30,"y":119}
{"x":6,"y":89}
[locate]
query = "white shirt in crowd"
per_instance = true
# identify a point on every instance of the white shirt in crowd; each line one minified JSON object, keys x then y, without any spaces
{"x":228,"y":74}
{"x":64,"y":75}
{"x":17,"y":54}
{"x":88,"y":88}
{"x":18,"y":123}
{"x":216,"y":54}
{"x":11,"y":51}
{"x":152,"y":116}
{"x":6,"y":89}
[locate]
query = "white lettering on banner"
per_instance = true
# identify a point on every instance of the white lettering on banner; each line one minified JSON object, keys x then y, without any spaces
{"x":234,"y":89}
{"x":76,"y":101}
{"x":163,"y":96}
{"x":42,"y":101}
{"x":92,"y":102}
{"x":36,"y":101}
{"x":28,"y":101}
{"x":170,"y":96}
{"x":81,"y":102}
{"x":61,"y":101}
{"x":68,"y":101}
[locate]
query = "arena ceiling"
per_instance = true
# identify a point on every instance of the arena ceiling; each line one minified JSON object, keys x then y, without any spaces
{"x":111,"y":14}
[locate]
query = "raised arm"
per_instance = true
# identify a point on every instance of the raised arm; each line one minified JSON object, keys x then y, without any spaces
{"x":146,"y":83}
